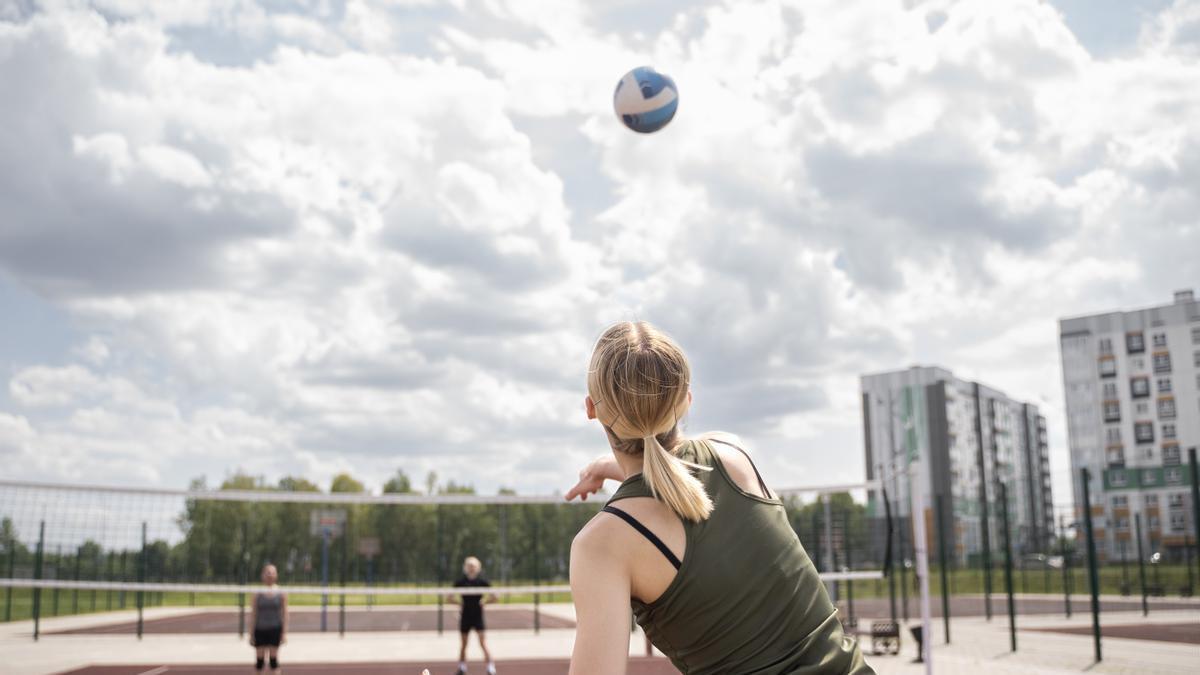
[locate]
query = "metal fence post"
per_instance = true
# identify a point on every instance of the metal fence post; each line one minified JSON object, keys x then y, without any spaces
{"x":1093,"y":573}
{"x":141,"y":580}
{"x":849,"y":563}
{"x":1066,"y":565}
{"x":1195,"y":506}
{"x":1137,"y":520}
{"x":37,"y":574}
{"x":1008,"y":568}
{"x":12,"y":563}
{"x":941,"y":528}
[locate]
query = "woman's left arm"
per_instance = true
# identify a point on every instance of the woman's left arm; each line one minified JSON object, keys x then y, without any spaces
{"x":600,"y":588}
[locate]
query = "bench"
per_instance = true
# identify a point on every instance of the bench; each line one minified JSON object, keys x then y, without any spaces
{"x":885,"y":637}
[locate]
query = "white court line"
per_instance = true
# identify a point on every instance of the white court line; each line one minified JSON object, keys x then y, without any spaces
{"x":157,"y":671}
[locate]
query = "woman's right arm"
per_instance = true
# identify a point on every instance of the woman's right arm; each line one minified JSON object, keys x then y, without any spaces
{"x":600,"y":589}
{"x":592,"y":477}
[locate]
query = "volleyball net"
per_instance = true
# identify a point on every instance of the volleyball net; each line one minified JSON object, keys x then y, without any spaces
{"x":75,"y":549}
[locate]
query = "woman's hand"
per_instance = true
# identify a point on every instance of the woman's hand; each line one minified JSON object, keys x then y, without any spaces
{"x":592,"y":477}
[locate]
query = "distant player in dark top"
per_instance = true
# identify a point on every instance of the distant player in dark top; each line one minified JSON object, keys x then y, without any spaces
{"x":268,"y":621}
{"x":472,"y":612}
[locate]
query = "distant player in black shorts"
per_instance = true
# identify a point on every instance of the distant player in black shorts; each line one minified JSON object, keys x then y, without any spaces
{"x":268,"y":621}
{"x":472,"y":612}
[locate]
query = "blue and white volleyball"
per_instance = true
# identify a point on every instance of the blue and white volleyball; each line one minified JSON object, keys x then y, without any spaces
{"x":645,"y":100}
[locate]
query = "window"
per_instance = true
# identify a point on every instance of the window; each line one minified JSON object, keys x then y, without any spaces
{"x":1172,"y":475}
{"x":1164,"y":385}
{"x":1168,"y":431}
{"x":1166,"y":408}
{"x":1112,"y":411}
{"x":1109,"y":391}
{"x":1106,"y":344}
{"x":1152,"y":522}
{"x":1122,"y":523}
{"x":1139,"y":387}
{"x":1108,"y":367}
{"x":1120,"y":502}
{"x":1196,"y":359}
{"x":1135,"y":342}
{"x":1118,"y":478}
{"x":1175,"y":500}
{"x":1146,"y":451}
{"x":1149,"y":477}
{"x":1160,"y":339}
{"x":1170,"y":454}
{"x":1138,"y":363}
{"x":1177,"y":521}
{"x":1116,"y":457}
{"x":1195,"y":336}
{"x":1140,"y":408}
{"x":1143,"y":432}
{"x":1112,"y":435}
{"x":1150,"y":500}
{"x":1162,"y":363}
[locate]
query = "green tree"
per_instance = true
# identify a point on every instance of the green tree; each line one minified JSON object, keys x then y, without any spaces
{"x":398,"y":484}
{"x":344,"y":482}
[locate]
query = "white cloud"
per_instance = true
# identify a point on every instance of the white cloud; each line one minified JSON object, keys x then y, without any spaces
{"x":321,"y":241}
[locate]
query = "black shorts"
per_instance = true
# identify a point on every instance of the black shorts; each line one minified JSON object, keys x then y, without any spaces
{"x":268,"y":637}
{"x":470,"y":619}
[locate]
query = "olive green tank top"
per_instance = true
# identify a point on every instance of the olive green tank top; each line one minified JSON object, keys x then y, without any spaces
{"x":746,"y":599}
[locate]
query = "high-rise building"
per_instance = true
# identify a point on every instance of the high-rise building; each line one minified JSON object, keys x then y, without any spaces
{"x":1132,"y":385}
{"x":974,"y":438}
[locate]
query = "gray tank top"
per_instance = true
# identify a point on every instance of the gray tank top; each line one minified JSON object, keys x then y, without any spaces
{"x":270,"y":610}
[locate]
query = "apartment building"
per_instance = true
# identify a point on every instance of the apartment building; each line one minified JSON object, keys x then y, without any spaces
{"x":974,"y":438}
{"x":1132,"y":385}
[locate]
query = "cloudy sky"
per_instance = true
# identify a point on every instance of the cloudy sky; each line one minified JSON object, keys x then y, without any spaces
{"x":325,"y":236}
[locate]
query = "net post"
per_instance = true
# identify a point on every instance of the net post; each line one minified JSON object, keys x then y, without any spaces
{"x":1093,"y":573}
{"x":941,"y":528}
{"x":1137,"y":523}
{"x":37,"y":574}
{"x":141,"y":579}
{"x":1008,"y":567}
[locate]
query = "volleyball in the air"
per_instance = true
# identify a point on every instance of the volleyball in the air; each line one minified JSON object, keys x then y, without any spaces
{"x":645,"y":100}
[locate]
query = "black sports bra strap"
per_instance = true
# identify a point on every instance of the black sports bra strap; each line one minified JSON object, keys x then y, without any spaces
{"x":761,"y":484}
{"x":645,"y":533}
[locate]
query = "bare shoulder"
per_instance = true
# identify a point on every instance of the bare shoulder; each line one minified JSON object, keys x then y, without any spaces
{"x":738,"y":466}
{"x":595,"y":539}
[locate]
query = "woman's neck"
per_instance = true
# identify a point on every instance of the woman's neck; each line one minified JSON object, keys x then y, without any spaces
{"x":630,"y":464}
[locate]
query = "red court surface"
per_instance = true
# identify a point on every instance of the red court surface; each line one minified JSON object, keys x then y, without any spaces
{"x":309,"y":621}
{"x":1187,"y":633}
{"x":637,"y":666}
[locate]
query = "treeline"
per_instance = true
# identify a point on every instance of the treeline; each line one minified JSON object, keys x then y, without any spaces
{"x":230,"y":541}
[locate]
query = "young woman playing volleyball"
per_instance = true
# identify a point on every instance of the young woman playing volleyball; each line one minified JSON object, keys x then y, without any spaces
{"x":268,"y":619}
{"x":692,"y":537}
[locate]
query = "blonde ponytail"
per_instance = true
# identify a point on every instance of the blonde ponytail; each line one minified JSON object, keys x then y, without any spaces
{"x":638,"y":381}
{"x":669,"y":481}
